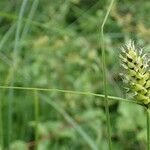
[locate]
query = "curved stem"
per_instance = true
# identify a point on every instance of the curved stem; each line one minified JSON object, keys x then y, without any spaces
{"x":104,"y":75}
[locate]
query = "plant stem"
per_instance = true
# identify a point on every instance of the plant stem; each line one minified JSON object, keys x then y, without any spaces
{"x":12,"y":72}
{"x":36,"y":112}
{"x":1,"y":126}
{"x":148,"y":129}
{"x":71,"y":92}
{"x":104,"y":75}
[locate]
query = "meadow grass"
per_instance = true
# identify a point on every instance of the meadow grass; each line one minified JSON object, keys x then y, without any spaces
{"x":20,"y":34}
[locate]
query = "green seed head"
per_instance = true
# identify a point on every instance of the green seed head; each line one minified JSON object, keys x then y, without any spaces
{"x":137,"y":72}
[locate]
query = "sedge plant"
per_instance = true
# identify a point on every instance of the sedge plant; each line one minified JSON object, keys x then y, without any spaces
{"x":137,"y":77}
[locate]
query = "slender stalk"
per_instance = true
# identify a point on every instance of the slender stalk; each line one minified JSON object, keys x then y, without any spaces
{"x":5,"y":59}
{"x":12,"y":71}
{"x":71,"y":92}
{"x":148,"y":129}
{"x":36,"y":112}
{"x":104,"y":75}
{"x":1,"y":126}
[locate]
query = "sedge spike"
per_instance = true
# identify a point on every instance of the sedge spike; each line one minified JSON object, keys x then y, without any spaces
{"x":137,"y":72}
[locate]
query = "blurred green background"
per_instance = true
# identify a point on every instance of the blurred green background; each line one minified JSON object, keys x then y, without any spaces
{"x":56,"y":44}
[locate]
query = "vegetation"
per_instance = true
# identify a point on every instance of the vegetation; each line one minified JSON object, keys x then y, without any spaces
{"x":51,"y":74}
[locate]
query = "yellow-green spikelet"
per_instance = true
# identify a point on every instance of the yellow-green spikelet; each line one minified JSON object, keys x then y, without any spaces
{"x":137,"y":72}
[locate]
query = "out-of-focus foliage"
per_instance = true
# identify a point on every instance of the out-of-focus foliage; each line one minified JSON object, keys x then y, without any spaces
{"x":60,"y":48}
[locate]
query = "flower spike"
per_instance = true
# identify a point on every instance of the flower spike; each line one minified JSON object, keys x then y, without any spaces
{"x":137,"y":72}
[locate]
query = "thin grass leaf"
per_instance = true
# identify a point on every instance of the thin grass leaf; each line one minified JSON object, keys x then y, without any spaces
{"x":105,"y":76}
{"x":84,"y":135}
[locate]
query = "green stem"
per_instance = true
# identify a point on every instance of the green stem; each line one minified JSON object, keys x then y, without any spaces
{"x":12,"y":72}
{"x":71,"y":92}
{"x":36,"y":112}
{"x":148,"y":129}
{"x":104,"y":75}
{"x":1,"y":126}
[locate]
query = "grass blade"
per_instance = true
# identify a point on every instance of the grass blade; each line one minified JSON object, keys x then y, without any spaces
{"x":84,"y":135}
{"x":71,"y":92}
{"x":105,"y":76}
{"x":12,"y":71}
